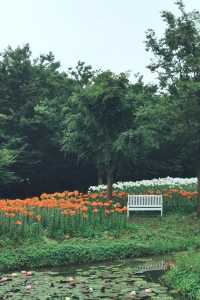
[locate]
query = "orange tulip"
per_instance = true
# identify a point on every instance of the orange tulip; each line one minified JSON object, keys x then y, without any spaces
{"x":18,"y":222}
{"x":84,"y":209}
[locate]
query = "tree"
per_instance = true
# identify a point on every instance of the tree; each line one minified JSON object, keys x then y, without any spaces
{"x":98,"y":116}
{"x":25,"y":85}
{"x":177,"y":63}
{"x":8,"y":154}
{"x":82,"y":74}
{"x":7,"y":159}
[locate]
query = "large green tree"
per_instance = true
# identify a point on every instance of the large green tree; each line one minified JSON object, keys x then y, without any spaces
{"x":25,"y":84}
{"x":177,"y":64}
{"x":98,"y":116}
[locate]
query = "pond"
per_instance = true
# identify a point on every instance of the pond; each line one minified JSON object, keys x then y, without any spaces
{"x":121,"y":280}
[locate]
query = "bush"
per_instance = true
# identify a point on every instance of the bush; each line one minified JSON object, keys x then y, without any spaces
{"x":185,"y":276}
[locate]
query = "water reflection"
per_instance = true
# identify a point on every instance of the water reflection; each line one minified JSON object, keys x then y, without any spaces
{"x":127,"y":279}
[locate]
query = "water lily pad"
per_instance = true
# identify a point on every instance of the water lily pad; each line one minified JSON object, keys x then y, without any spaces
{"x":112,"y":282}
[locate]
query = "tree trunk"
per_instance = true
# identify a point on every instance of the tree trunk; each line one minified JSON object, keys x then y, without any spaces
{"x":99,"y":176}
{"x":109,"y":183}
{"x":198,"y":190}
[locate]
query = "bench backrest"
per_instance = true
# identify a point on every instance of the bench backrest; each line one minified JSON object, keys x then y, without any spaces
{"x":159,"y":266}
{"x":145,"y":200}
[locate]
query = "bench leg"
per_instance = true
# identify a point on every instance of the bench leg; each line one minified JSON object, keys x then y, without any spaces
{"x":161,"y":212}
{"x":127,"y":213}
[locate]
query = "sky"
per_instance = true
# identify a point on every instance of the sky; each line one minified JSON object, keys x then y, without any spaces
{"x":108,"y":34}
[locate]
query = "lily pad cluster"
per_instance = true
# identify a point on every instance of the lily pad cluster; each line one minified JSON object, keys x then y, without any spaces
{"x":111,"y":282}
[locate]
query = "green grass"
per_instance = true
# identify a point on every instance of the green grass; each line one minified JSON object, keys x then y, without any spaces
{"x":185,"y":276}
{"x":144,"y":236}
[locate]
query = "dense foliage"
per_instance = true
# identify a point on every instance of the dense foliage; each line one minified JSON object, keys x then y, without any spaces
{"x":57,"y":126}
{"x":185,"y":275}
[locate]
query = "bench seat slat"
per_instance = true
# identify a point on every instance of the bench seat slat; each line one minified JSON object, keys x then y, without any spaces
{"x":145,"y":203}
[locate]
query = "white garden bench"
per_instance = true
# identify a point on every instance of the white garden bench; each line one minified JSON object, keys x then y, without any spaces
{"x":145,"y":203}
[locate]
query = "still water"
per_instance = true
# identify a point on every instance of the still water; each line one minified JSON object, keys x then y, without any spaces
{"x":121,"y":280}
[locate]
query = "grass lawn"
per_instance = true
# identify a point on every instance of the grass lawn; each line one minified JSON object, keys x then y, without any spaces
{"x":145,"y":235}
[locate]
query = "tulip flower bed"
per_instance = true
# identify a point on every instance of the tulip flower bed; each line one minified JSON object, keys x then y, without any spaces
{"x":179,"y":194}
{"x":140,"y":186}
{"x":177,"y":200}
{"x":61,"y":214}
{"x":73,"y":214}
